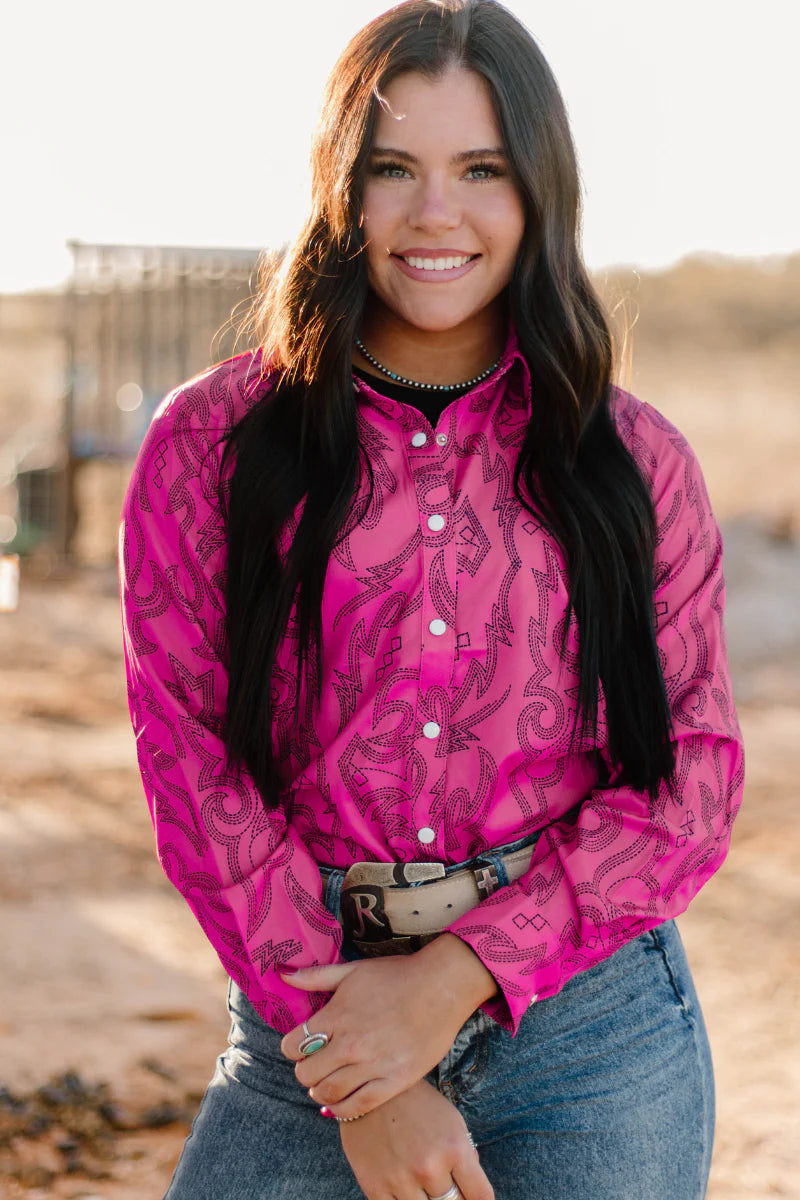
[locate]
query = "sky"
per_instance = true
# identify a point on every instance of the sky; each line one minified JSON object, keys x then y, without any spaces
{"x":171,"y":122}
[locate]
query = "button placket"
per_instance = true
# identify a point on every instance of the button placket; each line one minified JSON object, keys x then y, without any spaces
{"x":435,"y":680}
{"x":426,"y":450}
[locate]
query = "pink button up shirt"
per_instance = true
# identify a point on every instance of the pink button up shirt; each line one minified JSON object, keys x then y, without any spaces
{"x":446,"y":706}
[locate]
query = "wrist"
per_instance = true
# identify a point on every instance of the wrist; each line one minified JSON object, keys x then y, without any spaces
{"x":457,"y":967}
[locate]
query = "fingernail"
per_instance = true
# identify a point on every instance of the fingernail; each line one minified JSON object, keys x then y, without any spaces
{"x":287,"y":969}
{"x":326,"y":1112}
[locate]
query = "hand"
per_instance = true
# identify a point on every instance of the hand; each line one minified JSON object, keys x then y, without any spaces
{"x":390,"y":1021}
{"x":414,"y":1145}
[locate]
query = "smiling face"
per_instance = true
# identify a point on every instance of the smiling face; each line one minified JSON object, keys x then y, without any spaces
{"x":443,"y":217}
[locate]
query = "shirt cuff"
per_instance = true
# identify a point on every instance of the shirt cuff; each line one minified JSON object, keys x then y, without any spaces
{"x":512,"y":999}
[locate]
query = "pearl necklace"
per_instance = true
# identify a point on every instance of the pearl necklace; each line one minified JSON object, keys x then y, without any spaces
{"x":431,"y":387}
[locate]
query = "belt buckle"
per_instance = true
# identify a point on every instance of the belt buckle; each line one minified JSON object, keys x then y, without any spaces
{"x":363,"y":908}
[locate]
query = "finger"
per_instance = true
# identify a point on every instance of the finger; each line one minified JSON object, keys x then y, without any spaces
{"x":340,"y":1084}
{"x":433,"y":1174}
{"x":408,"y":1189}
{"x":313,"y":1068}
{"x":440,"y":1188}
{"x":472,"y":1180}
{"x":365,"y":1099}
{"x":318,"y":979}
{"x":291,"y":1042}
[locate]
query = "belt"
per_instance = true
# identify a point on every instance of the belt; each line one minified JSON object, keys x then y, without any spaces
{"x":394,"y":908}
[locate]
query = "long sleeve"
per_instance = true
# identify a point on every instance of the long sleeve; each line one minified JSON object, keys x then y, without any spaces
{"x":628,"y":863}
{"x":245,"y":873}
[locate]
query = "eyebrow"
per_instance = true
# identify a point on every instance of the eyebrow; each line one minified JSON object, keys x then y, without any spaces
{"x":463,"y":156}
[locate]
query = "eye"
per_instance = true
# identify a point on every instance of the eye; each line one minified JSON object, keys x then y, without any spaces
{"x":482,"y":172}
{"x":389,"y":170}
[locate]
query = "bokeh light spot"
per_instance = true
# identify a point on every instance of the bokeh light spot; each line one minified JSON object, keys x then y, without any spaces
{"x":129,"y":397}
{"x":8,"y":528}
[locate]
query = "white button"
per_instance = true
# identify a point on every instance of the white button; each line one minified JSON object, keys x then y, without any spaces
{"x":441,"y":438}
{"x":426,"y":834}
{"x":438,"y":627}
{"x":436,"y":522}
{"x":419,"y":439}
{"x":431,"y":729}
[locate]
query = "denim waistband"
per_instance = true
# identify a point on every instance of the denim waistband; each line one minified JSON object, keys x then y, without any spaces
{"x":334,"y":876}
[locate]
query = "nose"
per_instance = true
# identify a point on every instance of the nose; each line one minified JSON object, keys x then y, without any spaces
{"x":435,"y":208}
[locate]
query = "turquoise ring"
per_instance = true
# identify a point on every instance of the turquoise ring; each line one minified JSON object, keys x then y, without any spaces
{"x":312,"y":1042}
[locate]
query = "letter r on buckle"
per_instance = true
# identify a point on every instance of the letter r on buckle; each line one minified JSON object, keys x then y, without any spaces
{"x":362,"y":904}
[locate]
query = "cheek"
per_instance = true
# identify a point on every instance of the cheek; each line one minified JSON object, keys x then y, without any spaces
{"x":506,"y":229}
{"x":379,"y":222}
{"x":379,"y":209}
{"x":376,"y":261}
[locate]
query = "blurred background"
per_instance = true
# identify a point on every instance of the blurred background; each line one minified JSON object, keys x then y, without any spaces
{"x":153,"y":154}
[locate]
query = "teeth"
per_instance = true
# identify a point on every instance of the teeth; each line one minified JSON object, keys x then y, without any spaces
{"x":438,"y":264}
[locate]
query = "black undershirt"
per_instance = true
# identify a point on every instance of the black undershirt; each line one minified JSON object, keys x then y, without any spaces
{"x":430,"y":404}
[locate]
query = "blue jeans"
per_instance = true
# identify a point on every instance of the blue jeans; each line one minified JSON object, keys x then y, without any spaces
{"x":606,"y":1093}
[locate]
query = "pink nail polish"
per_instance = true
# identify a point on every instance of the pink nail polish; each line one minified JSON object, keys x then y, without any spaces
{"x":286,"y":969}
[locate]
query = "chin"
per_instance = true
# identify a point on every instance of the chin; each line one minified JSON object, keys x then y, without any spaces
{"x":437,"y":321}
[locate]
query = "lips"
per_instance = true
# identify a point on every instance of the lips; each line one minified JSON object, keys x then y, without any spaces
{"x":435,"y":266}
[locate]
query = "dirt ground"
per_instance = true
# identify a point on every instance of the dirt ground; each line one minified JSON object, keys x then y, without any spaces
{"x":107,"y":980}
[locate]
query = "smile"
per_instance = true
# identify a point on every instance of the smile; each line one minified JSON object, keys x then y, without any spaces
{"x":436,"y":269}
{"x":437,"y":264}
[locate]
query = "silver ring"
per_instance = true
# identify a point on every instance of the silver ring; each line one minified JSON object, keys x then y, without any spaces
{"x":452,"y":1193}
{"x":312,"y":1042}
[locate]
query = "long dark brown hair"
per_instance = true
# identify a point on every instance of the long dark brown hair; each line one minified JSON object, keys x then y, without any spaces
{"x":301,"y":441}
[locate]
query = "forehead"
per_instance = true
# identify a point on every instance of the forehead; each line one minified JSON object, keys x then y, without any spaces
{"x":451,"y":111}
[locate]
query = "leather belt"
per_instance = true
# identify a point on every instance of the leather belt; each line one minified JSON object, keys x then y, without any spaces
{"x":394,"y":908}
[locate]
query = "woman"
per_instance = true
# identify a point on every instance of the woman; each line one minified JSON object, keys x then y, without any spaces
{"x":440,"y":854}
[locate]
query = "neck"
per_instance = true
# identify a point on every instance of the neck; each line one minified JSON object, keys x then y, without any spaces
{"x":439,"y":357}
